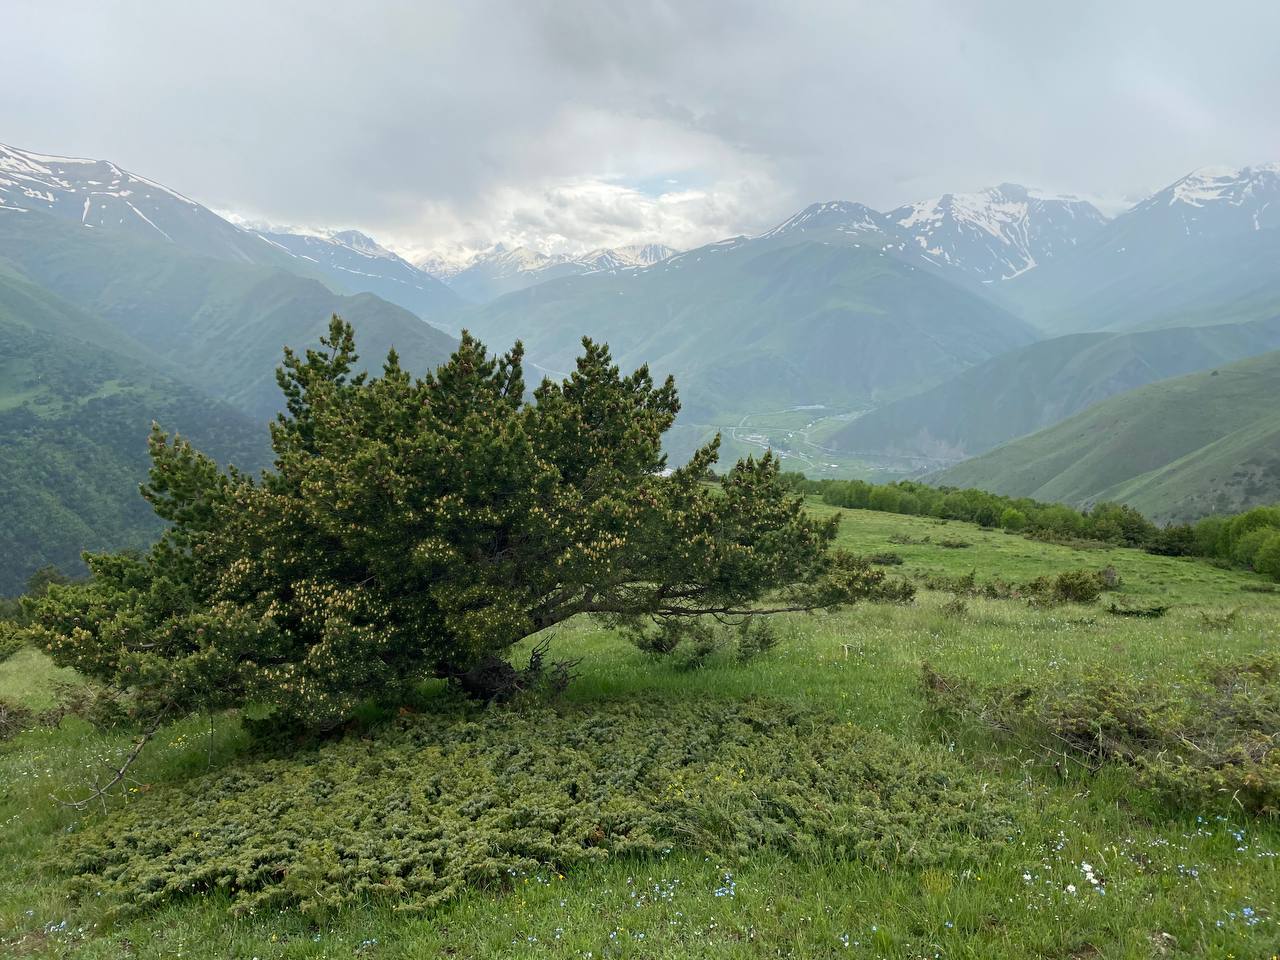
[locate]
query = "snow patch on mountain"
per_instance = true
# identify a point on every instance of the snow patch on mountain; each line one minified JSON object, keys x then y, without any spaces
{"x":1224,"y":184}
{"x":998,"y":233}
{"x":43,"y":180}
{"x":500,"y":269}
{"x":99,"y":194}
{"x":995,"y":234}
{"x":621,"y":258}
{"x":842,"y":216}
{"x":1216,"y":202}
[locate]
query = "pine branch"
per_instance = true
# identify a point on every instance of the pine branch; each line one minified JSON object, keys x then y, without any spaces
{"x":101,"y":790}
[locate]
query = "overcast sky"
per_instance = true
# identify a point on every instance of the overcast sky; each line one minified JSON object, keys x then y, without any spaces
{"x":569,"y":124}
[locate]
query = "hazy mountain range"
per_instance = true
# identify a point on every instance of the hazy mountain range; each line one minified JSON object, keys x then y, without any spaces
{"x":847,"y":338}
{"x":499,"y":270}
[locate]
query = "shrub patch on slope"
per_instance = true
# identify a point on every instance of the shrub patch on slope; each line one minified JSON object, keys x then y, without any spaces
{"x":440,"y":803}
{"x":1207,"y":740}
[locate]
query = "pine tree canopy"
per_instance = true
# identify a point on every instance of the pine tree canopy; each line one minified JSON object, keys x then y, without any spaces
{"x":412,"y":528}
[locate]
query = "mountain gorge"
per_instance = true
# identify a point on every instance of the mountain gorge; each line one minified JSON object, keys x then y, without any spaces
{"x":839,"y":307}
{"x":77,"y":399}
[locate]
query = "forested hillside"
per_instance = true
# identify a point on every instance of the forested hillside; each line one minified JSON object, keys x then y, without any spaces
{"x":74,"y":418}
{"x":221,"y":323}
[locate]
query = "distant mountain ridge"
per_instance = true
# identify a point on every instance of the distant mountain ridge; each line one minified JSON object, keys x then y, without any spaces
{"x":357,"y":261}
{"x":813,"y":303}
{"x":1206,"y":245}
{"x":500,"y":270}
{"x":994,"y":234}
{"x":1000,"y":233}
{"x":97,"y":194}
{"x":749,"y":325}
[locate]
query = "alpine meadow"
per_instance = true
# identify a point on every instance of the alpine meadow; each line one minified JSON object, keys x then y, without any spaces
{"x":661,"y":481}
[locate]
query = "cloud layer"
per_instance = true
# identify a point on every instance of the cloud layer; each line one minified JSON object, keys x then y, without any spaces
{"x":569,"y":124}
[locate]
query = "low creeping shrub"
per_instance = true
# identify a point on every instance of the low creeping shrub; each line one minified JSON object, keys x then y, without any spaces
{"x":886,"y":559}
{"x":1070,"y":586}
{"x":90,"y":704}
{"x":439,"y":803}
{"x":14,"y":719}
{"x":1219,"y":619}
{"x":1148,"y":611}
{"x":1210,"y":739}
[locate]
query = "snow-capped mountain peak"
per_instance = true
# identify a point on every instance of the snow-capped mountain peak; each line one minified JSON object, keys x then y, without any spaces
{"x":361,"y":243}
{"x":500,"y":269}
{"x":523,"y":259}
{"x":620,"y":258}
{"x":1224,"y":184}
{"x":994,"y":234}
{"x":840,"y":216}
{"x":100,"y":195}
{"x":1217,"y":201}
{"x":997,"y":233}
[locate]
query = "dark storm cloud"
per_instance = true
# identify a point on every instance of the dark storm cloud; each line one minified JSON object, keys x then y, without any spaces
{"x":534,"y":121}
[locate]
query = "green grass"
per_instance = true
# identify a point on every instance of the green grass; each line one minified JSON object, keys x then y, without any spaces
{"x":1175,"y":885}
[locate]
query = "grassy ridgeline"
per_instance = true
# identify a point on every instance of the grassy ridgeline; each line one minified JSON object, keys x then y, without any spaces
{"x":1173,"y":883}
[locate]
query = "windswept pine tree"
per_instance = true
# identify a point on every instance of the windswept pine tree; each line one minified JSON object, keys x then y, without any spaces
{"x":416,"y":528}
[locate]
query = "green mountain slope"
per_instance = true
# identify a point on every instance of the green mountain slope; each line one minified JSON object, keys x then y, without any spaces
{"x":1113,"y":286}
{"x":74,"y":417}
{"x":754,"y":325}
{"x":1177,"y":449}
{"x":223,"y":324}
{"x":1033,"y":387}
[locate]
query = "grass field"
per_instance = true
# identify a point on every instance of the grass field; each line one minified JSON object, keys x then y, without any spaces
{"x":1165,"y":883}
